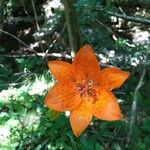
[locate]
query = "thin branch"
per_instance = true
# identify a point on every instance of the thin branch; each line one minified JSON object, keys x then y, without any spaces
{"x":134,"y":106}
{"x":113,"y":137}
{"x":26,"y":12}
{"x":26,"y":19}
{"x":35,"y":15}
{"x":12,"y":84}
{"x":19,"y":40}
{"x":24,"y":7}
{"x":102,"y":24}
{"x":55,"y":55}
{"x":52,"y":55}
{"x":55,"y":40}
{"x":38,"y":28}
{"x":130,"y":18}
{"x":43,"y":54}
{"x":13,"y":36}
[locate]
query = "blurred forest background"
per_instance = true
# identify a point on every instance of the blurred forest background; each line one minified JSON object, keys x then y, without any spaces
{"x":35,"y":31}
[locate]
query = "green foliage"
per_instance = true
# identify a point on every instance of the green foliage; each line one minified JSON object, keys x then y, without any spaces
{"x":25,"y":123}
{"x":30,"y":63}
{"x":21,"y":111}
{"x":93,"y":20}
{"x":14,"y":7}
{"x":2,"y":49}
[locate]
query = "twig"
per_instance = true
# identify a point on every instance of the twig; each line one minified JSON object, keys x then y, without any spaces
{"x":44,"y":54}
{"x":12,"y":84}
{"x":19,"y":40}
{"x":130,"y":18}
{"x":13,"y":36}
{"x":135,"y":99}
{"x":24,"y":7}
{"x":122,"y":11}
{"x":52,"y":55}
{"x":38,"y":28}
{"x":113,"y":137}
{"x":35,"y":15}
{"x":55,"y":55}
{"x":72,"y":142}
{"x":26,"y":19}
{"x":102,"y":24}
{"x":26,"y":12}
{"x":55,"y":40}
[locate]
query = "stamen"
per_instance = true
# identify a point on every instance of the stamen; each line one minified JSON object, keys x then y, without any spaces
{"x":86,"y":88}
{"x":90,"y":82}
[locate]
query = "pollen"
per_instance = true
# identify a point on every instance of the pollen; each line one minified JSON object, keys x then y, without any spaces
{"x":86,"y":89}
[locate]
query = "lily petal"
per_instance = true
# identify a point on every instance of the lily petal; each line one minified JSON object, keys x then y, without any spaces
{"x":62,"y":97}
{"x":86,"y":64}
{"x":112,"y":77}
{"x":80,"y":117}
{"x":106,"y":106}
{"x":60,"y":69}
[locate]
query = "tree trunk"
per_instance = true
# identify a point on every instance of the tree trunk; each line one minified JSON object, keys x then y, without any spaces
{"x":72,"y":26}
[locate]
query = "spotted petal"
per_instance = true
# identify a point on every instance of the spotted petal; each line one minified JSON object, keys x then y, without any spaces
{"x":112,"y":77}
{"x":106,"y":106}
{"x":80,"y":117}
{"x":60,"y":69}
{"x":86,"y":64}
{"x":62,"y":97}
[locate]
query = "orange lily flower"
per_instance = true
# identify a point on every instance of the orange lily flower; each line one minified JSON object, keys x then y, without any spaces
{"x":85,"y":90}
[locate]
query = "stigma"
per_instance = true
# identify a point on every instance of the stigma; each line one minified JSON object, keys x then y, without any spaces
{"x":85,"y":88}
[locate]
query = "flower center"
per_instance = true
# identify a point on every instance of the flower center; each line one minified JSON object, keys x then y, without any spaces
{"x":86,"y":89}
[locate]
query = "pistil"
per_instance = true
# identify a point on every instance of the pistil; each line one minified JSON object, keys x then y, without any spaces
{"x":86,"y":89}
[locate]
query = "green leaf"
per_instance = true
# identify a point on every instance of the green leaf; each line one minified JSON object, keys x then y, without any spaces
{"x":85,"y":144}
{"x":52,"y":114}
{"x":146,"y":125}
{"x":116,"y":147}
{"x":147,"y":140}
{"x":99,"y":147}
